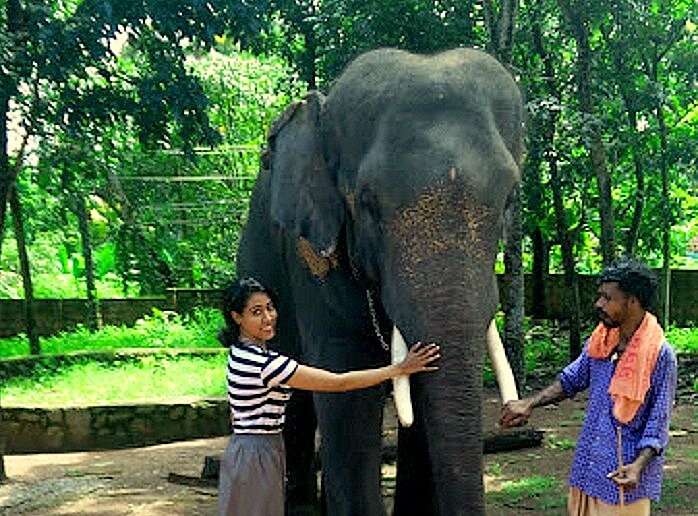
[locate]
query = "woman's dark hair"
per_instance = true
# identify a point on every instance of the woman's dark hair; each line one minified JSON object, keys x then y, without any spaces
{"x":235,"y":298}
{"x":633,"y":278}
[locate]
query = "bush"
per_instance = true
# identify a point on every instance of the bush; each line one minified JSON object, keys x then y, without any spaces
{"x":162,"y":329}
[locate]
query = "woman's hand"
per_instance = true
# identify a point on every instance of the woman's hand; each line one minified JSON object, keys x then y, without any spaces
{"x":418,"y":359}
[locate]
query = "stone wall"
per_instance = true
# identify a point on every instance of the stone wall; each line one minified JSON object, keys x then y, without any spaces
{"x":40,"y":430}
{"x":55,"y":315}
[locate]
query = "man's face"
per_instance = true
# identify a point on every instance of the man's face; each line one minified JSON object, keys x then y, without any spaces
{"x":612,"y":305}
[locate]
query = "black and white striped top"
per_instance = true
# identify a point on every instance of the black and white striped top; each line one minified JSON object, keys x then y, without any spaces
{"x":256,"y":389}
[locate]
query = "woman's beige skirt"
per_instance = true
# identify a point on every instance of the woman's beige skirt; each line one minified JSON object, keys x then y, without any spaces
{"x":252,"y":474}
{"x":581,"y":504}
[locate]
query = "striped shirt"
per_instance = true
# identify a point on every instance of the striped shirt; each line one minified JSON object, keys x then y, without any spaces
{"x":256,"y":389}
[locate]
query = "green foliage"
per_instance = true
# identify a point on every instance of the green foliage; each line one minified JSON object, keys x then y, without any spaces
{"x":143,"y":379}
{"x":152,"y":233}
{"x":245,"y":93}
{"x":125,"y":90}
{"x":184,"y":233}
{"x":683,"y":340}
{"x":160,"y":330}
{"x":546,"y":348}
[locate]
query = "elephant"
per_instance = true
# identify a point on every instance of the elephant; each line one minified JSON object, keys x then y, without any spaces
{"x":377,"y":213}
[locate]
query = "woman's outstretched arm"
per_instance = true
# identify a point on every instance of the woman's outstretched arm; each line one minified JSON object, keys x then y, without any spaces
{"x":314,"y":379}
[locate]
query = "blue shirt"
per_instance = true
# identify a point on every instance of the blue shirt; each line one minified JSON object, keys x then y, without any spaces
{"x":595,"y":455}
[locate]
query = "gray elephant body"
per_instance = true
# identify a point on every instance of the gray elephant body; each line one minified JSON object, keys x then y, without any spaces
{"x":395,"y":183}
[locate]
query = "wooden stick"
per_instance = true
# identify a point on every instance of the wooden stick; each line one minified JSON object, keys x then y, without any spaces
{"x":619,"y":448}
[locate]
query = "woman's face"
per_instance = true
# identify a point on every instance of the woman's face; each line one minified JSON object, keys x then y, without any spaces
{"x":257,"y":321}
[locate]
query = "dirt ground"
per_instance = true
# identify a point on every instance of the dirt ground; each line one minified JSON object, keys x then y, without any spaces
{"x":134,"y":481}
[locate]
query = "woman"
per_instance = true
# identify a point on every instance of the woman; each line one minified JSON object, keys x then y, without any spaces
{"x":259,"y":383}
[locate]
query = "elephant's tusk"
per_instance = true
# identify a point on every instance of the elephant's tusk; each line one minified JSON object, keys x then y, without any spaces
{"x":401,"y":384}
{"x":500,"y":364}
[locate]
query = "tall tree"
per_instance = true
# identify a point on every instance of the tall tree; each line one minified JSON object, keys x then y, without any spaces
{"x":578,"y":14}
{"x":56,"y":49}
{"x":654,"y":58}
{"x":645,"y":42}
{"x":29,"y":316}
{"x":8,"y":87}
{"x":546,"y":61}
{"x":3,"y":474}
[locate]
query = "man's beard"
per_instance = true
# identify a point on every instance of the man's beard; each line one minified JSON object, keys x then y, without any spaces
{"x":607,"y":321}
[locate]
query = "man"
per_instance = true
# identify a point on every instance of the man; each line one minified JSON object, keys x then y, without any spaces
{"x":630,"y":371}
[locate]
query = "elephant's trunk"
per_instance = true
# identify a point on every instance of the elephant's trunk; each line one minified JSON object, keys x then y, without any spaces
{"x":449,"y":404}
{"x":441,"y":262}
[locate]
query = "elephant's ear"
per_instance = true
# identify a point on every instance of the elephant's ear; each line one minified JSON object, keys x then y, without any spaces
{"x":304,"y":197}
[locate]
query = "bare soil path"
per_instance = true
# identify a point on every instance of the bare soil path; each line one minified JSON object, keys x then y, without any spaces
{"x":134,"y":481}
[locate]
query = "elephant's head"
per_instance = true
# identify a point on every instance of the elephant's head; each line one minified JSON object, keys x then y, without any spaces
{"x":407,"y":165}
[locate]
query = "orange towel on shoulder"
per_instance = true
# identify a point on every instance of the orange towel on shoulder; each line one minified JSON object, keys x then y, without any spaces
{"x":631,"y":381}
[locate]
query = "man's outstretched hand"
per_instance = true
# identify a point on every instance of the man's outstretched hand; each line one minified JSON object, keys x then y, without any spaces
{"x":515,"y":413}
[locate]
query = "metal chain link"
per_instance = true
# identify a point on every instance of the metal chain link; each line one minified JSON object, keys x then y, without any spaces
{"x":374,"y":320}
{"x":371,"y":309}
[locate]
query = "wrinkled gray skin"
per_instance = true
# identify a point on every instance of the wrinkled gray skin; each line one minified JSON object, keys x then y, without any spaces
{"x":397,"y":182}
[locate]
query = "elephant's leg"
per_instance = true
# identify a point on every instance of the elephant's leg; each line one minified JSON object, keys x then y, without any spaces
{"x":351,"y":430}
{"x":414,"y":489}
{"x":299,"y":437}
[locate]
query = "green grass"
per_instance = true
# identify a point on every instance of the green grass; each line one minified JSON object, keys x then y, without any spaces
{"x":139,"y":379}
{"x":560,"y":443}
{"x":159,"y":330}
{"x":532,"y":493}
{"x":676,"y":498}
{"x":546,"y":348}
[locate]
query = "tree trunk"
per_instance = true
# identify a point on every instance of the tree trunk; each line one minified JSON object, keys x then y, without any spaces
{"x":3,"y":475}
{"x":93,"y":317}
{"x":541,"y":266}
{"x":16,"y":208}
{"x":311,"y":57}
{"x":571,"y":278}
{"x":577,"y":19}
{"x":634,"y":230}
{"x":501,"y":27}
{"x":534,"y":192}
{"x":5,"y":183}
{"x":665,"y":295}
{"x":7,"y":173}
{"x":566,"y":243}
